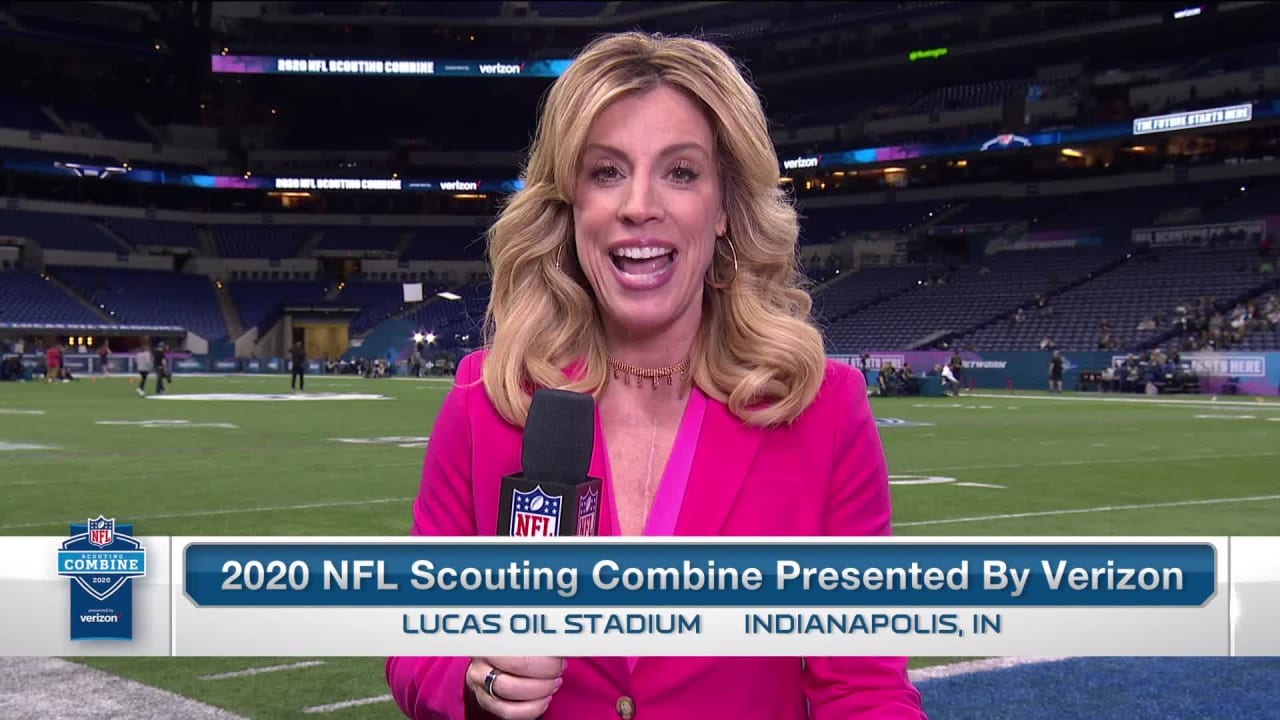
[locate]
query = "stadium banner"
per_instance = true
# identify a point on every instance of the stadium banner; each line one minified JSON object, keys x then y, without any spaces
{"x":1026,"y":370}
{"x":1232,"y":373}
{"x":1044,"y":240}
{"x":1192,"y":119}
{"x":1198,"y":235}
{"x":378,"y":596}
{"x":266,"y":183}
{"x":1138,"y":127}
{"x":385,"y":67}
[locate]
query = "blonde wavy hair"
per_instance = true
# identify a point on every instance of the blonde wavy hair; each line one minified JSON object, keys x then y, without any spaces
{"x":759,"y":351}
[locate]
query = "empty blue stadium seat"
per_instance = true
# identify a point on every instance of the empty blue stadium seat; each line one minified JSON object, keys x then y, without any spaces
{"x":446,"y":243}
{"x":546,"y":8}
{"x":24,"y":114}
{"x":155,"y":232}
{"x":360,"y":238}
{"x":260,"y":302}
{"x":62,"y":232}
{"x":26,"y":297}
{"x":260,"y":241}
{"x":151,"y":297}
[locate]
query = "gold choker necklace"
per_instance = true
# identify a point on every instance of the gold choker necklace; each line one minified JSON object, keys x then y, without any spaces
{"x":652,"y":374}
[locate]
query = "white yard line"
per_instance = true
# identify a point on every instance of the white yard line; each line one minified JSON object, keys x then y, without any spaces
{"x":334,"y":707}
{"x":38,"y":687}
{"x":1067,"y":463}
{"x":416,"y":463}
{"x":968,"y":667}
{"x":1085,"y":511}
{"x":249,"y":672}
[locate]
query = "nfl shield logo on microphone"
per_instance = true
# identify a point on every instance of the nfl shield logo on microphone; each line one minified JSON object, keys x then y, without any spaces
{"x":535,"y":514}
{"x":588,"y":512}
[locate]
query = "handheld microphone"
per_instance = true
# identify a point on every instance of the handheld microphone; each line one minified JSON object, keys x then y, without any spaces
{"x":553,"y":496}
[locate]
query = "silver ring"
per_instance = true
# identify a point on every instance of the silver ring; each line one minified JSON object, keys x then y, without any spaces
{"x":488,"y":682}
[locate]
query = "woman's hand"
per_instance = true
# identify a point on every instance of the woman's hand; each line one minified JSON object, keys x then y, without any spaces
{"x":520,"y":688}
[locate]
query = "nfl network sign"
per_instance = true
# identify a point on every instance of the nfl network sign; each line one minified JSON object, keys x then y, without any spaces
{"x":101,"y":558}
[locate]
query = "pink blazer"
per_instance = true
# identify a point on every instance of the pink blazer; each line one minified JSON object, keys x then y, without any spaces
{"x":827,"y":470}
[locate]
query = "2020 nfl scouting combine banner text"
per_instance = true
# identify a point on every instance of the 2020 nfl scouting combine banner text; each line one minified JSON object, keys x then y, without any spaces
{"x":373,"y":597}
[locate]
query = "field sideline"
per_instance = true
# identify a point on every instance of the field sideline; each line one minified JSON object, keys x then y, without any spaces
{"x":982,"y":464}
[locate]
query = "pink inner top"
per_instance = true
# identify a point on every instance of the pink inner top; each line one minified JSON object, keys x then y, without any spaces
{"x":675,"y":477}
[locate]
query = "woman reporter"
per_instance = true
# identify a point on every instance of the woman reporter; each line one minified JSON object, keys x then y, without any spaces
{"x":650,"y":260}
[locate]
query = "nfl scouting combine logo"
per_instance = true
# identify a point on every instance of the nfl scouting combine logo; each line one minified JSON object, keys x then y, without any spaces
{"x":535,"y":514}
{"x":588,"y":511}
{"x":101,"y":558}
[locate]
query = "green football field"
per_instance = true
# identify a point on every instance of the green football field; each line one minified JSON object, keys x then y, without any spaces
{"x":982,"y":464}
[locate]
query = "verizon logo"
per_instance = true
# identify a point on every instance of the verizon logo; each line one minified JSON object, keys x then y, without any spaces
{"x":459,"y":185}
{"x":499,"y":69}
{"x":798,"y":163}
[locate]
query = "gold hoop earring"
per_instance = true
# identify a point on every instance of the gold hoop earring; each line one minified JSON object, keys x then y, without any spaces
{"x":711,"y":280}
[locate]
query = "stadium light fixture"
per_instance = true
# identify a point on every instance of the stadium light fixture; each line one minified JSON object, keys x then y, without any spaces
{"x":431,"y":338}
{"x":418,"y":337}
{"x":448,"y":295}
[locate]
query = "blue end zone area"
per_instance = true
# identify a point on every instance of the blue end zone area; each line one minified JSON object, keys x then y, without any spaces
{"x":1112,"y":689}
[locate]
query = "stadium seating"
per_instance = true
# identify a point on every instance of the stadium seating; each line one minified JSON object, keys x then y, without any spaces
{"x":360,"y":238}
{"x":853,"y":290}
{"x":821,"y":225}
{"x":377,"y":300}
{"x":1257,"y":200}
{"x":1115,"y":214}
{"x":155,"y":232}
{"x":963,"y":298}
{"x":446,"y":243}
{"x":1147,"y":287}
{"x":86,"y":35}
{"x":110,"y":122}
{"x":330,"y":7}
{"x":24,"y":114}
{"x":260,"y":241}
{"x":472,"y":9}
{"x":1018,"y":209}
{"x":260,"y":302}
{"x":463,"y":316}
{"x":150,"y":297}
{"x":545,"y":8}
{"x":1253,"y":56}
{"x":62,"y":232}
{"x":960,"y":97}
{"x":25,"y":297}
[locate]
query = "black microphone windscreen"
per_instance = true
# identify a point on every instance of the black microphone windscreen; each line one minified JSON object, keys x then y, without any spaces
{"x":559,"y":437}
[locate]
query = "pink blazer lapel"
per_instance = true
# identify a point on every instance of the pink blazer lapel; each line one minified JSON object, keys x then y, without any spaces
{"x":726,"y":450}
